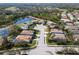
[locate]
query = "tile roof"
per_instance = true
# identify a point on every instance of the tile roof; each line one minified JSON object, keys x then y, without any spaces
{"x":59,"y":34}
{"x":29,"y":32}
{"x":56,"y":31}
{"x":23,"y":37}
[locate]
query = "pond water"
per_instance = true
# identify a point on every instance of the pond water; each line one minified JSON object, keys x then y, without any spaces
{"x":5,"y":31}
{"x":23,"y":20}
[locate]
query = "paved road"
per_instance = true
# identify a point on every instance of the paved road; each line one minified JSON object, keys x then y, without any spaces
{"x":42,"y":48}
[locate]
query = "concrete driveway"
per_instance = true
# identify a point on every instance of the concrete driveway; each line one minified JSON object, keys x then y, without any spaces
{"x":42,"y":48}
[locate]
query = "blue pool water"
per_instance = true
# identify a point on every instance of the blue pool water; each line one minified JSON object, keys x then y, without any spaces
{"x":24,"y":20}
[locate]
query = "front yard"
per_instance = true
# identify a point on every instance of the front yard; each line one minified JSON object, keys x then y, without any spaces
{"x":58,"y":43}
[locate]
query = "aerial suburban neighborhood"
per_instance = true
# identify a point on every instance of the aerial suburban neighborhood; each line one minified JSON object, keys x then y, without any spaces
{"x":39,"y":29}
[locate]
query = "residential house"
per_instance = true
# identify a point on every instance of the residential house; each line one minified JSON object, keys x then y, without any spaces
{"x":25,"y":35}
{"x":26,"y":38}
{"x":75,"y":34}
{"x":27,"y":32}
{"x":25,"y":26}
{"x":70,"y":26}
{"x":58,"y":35}
{"x":70,"y":16}
{"x":50,"y":23}
{"x":76,"y":37}
{"x":64,"y":18}
{"x":76,"y":14}
{"x":77,"y":24}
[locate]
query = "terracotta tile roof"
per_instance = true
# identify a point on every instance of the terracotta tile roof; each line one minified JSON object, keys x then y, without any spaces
{"x":27,"y":32}
{"x":24,"y":37}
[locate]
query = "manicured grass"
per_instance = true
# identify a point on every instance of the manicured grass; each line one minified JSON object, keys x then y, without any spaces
{"x":48,"y":43}
{"x":25,"y":46}
{"x":31,"y":26}
{"x":33,"y":44}
{"x":10,"y":37}
{"x":46,"y":30}
{"x":51,"y":43}
{"x":20,"y":25}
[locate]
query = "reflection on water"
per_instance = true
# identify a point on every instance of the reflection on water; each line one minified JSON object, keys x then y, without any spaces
{"x":24,"y":20}
{"x":4,"y":31}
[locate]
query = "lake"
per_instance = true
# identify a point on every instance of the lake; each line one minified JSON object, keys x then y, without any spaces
{"x":5,"y":31}
{"x":23,"y":20}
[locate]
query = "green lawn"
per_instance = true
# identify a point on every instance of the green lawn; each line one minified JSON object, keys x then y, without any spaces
{"x":51,"y":43}
{"x":33,"y":44}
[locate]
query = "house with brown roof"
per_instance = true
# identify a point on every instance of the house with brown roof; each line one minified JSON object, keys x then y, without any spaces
{"x":26,"y":38}
{"x":64,"y":18}
{"x":58,"y":35}
{"x":27,"y":32}
{"x":25,"y":35}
